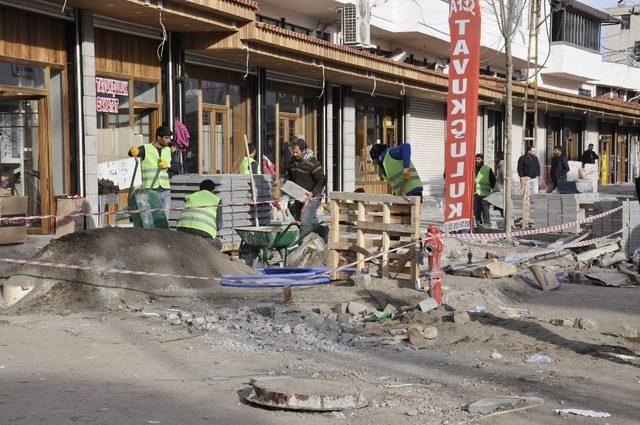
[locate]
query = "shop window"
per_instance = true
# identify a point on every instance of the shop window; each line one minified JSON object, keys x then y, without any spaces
{"x":625,"y":22}
{"x":572,"y":139}
{"x":288,"y":103}
{"x":17,"y":75}
{"x":58,"y":133}
{"x":145,"y":92}
{"x":214,"y":93}
{"x":269,"y":148}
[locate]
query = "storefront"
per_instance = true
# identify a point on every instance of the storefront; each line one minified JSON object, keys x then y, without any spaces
{"x":128,"y":84}
{"x":36,"y":152}
{"x":565,"y":131}
{"x":377,"y":121}
{"x":618,"y":152}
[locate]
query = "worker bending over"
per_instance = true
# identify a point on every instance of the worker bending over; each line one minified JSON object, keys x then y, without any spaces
{"x":200,"y":213}
{"x":396,"y":167}
{"x":249,"y":165}
{"x":153,"y":157}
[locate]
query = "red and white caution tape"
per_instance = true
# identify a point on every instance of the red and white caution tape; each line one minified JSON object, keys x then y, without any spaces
{"x":519,"y":233}
{"x":103,"y":269}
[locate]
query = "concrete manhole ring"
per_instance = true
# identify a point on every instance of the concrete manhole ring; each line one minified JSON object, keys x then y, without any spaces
{"x":305,"y":394}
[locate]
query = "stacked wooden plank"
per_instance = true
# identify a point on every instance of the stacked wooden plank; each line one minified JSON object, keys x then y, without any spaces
{"x":627,"y":219}
{"x":234,"y":191}
{"x":367,"y":224}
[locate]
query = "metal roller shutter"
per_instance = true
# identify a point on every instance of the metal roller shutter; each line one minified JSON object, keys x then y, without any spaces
{"x":426,"y":134}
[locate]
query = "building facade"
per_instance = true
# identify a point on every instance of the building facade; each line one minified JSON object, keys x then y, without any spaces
{"x":78,"y":84}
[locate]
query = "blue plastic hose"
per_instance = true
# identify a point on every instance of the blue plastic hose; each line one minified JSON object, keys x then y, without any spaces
{"x":280,"y":272}
{"x":251,"y":283}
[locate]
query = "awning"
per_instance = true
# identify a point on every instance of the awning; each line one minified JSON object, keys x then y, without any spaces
{"x":182,"y":16}
{"x":281,"y":50}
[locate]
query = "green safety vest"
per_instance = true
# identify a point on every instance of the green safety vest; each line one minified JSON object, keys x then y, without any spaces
{"x":483,"y":185}
{"x":150,"y":167}
{"x":200,"y":212}
{"x":394,"y":169}
{"x":245,"y":165}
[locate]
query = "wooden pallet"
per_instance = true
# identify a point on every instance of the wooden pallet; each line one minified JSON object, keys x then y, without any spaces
{"x":364,"y":223}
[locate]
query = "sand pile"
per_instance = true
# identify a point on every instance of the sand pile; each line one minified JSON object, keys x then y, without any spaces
{"x":150,"y":250}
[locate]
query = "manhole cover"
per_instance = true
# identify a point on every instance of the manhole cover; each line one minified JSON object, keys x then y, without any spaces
{"x":305,"y":394}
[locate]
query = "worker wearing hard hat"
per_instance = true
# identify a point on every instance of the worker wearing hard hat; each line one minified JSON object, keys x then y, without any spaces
{"x":155,"y":160}
{"x":396,"y":167}
{"x":200,"y":213}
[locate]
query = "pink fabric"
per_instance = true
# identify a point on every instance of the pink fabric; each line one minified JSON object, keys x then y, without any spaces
{"x":182,"y":134}
{"x":268,"y":167}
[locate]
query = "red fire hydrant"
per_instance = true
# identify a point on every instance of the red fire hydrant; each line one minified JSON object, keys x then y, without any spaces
{"x":433,"y":249}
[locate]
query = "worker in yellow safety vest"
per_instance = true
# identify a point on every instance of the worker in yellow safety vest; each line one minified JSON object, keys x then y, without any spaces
{"x":249,"y":165}
{"x":484,"y":182}
{"x":156,"y":159}
{"x":396,"y":167}
{"x":200,"y":214}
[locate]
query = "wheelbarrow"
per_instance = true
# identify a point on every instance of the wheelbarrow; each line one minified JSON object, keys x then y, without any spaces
{"x":144,"y":199}
{"x":260,"y":242}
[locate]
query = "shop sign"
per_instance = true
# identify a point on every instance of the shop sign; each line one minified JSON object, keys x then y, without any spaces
{"x":462,"y":114}
{"x":111,"y":87}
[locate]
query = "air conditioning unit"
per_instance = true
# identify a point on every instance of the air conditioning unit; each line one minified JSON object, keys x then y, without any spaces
{"x":356,"y":24}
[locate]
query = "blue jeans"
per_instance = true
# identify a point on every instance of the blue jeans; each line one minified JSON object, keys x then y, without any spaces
{"x":165,"y":198}
{"x":305,"y":214}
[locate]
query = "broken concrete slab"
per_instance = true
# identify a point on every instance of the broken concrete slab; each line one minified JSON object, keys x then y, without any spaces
{"x":491,"y":404}
{"x":355,"y":309}
{"x":305,"y":394}
{"x":568,"y":323}
{"x":427,"y":305}
{"x":582,"y":412}
{"x":588,"y":256}
{"x":389,"y":309}
{"x":586,"y":324}
{"x":498,"y":269}
{"x":419,"y":337}
{"x":616,"y":258}
{"x":545,"y":277}
{"x":361,"y":279}
{"x":627,"y":331}
{"x":609,"y":278}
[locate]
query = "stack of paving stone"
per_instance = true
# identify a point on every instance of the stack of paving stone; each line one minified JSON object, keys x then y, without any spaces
{"x":627,"y":219}
{"x":233,"y":189}
{"x":551,"y":209}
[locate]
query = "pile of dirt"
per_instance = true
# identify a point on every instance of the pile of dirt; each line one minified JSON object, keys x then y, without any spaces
{"x":151,"y":250}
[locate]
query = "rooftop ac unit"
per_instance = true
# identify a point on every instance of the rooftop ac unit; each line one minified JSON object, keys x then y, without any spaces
{"x":356,"y":24}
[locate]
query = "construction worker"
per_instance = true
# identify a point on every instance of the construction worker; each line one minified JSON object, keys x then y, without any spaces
{"x":153,"y":157}
{"x":395,"y":166}
{"x":200,"y":213}
{"x":484,"y":184}
{"x":249,"y":161}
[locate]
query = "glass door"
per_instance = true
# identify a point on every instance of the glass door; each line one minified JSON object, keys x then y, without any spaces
{"x":145,"y":123}
{"x":20,"y":152}
{"x":621,"y":156}
{"x":215,"y":142}
{"x":286,"y":134}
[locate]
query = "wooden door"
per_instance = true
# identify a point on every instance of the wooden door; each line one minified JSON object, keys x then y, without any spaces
{"x":287,"y":131}
{"x":215,"y":152}
{"x":621,"y":157}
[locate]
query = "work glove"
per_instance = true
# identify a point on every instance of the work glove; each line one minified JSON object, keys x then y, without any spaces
{"x":406,"y":174}
{"x":133,"y":152}
{"x":163,"y":164}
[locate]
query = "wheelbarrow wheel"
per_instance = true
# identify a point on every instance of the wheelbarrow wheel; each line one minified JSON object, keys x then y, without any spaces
{"x":249,"y":255}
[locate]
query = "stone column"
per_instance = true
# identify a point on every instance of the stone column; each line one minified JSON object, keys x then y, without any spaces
{"x":348,"y":144}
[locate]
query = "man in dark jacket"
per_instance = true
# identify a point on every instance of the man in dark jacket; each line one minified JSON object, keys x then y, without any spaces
{"x":559,"y":169}
{"x":529,"y":166}
{"x":589,"y":156}
{"x":305,"y":171}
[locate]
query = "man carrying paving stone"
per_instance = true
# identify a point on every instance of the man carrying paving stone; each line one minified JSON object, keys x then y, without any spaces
{"x":305,"y":171}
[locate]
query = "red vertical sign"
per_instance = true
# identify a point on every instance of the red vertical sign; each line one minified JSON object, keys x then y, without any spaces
{"x":462,"y":114}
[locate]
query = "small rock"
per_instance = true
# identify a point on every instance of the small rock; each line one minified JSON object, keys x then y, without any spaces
{"x":355,"y":309}
{"x":299,"y":329}
{"x":627,"y":331}
{"x":373,"y":329}
{"x":286,"y":329}
{"x":185,"y":315}
{"x":427,"y":305}
{"x":361,"y":279}
{"x":586,"y":324}
{"x":343,"y":318}
{"x":171,"y":317}
{"x":461,"y":317}
{"x":569,"y":323}
{"x":341,"y":308}
{"x":198,"y":321}
{"x":65,"y":312}
{"x":491,"y":404}
{"x":412,"y":412}
{"x":389,"y":309}
{"x":265,"y":311}
{"x":177,"y":322}
{"x":496,"y":355}
{"x":430,"y":333}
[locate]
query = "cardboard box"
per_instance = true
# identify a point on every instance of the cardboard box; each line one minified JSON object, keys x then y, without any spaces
{"x":68,"y":205}
{"x":13,"y":232}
